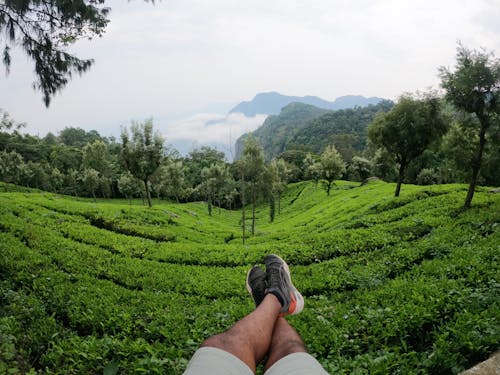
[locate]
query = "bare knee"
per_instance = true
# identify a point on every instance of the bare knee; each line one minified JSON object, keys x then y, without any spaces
{"x":217,"y":341}
{"x":225,"y":341}
{"x":292,"y":346}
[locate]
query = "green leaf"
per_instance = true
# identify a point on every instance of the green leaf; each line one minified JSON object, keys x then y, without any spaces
{"x":111,"y":369}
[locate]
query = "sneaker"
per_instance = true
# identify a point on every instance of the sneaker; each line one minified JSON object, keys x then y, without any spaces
{"x":280,"y":284}
{"x":256,"y":284}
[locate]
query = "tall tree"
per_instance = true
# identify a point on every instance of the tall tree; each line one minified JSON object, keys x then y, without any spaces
{"x":129,"y":186}
{"x":9,"y":166}
{"x":332,"y":166}
{"x":90,"y":180}
{"x":198,"y":159}
{"x":96,"y":156}
{"x":239,"y":166}
{"x":408,"y":129}
{"x":474,"y":87}
{"x":44,"y":29}
{"x":312,"y":168}
{"x":216,"y":180}
{"x":142,"y":153}
{"x":176,"y":181}
{"x":278,"y":176}
{"x":254,"y":165}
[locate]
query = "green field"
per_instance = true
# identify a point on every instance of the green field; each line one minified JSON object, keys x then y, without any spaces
{"x":393,"y":285}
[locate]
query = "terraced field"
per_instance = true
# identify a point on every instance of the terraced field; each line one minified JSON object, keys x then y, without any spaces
{"x":406,"y":285}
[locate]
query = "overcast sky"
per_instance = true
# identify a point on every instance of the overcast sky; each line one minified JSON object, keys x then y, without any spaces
{"x":186,"y":62}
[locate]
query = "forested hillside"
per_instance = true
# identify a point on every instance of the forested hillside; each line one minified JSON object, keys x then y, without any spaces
{"x":311,"y":128}
{"x":392,"y":285}
{"x":345,"y":128}
{"x":276,"y":130}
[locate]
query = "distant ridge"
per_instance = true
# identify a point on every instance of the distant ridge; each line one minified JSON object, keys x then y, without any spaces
{"x":271,"y":103}
{"x":308,"y":127}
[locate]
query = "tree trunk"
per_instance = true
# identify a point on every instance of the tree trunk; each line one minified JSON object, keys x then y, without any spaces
{"x":402,"y":168}
{"x":209,"y":205}
{"x":272,"y":206}
{"x":476,"y":165}
{"x":279,"y":203}
{"x":243,"y":218}
{"x":328,"y":186}
{"x":148,"y":196}
{"x":253,"y":212}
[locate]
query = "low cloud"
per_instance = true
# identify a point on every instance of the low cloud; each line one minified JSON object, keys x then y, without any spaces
{"x":210,"y":129}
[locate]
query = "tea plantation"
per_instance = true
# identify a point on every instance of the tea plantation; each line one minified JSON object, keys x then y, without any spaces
{"x":406,"y":285}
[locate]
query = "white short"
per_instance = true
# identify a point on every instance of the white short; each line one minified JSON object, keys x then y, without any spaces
{"x":214,"y":361}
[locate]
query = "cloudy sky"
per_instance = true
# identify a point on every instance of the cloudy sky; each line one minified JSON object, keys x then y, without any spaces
{"x":187,"y":62}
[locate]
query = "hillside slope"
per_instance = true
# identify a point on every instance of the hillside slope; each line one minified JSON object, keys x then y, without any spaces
{"x":392,"y":285}
{"x":313,"y":128}
{"x":276,"y":131}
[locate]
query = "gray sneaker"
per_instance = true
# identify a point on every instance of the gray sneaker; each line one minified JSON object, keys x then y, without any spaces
{"x":256,"y":284}
{"x":280,"y":284}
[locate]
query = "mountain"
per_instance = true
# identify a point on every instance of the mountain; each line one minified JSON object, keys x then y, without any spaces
{"x":271,"y":103}
{"x":274,"y":133}
{"x":345,"y":128}
{"x":310,"y":128}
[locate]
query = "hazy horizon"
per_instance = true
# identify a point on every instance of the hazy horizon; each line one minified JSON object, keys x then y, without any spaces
{"x":186,"y":63}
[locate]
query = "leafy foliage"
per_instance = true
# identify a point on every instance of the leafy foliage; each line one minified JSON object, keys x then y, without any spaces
{"x":474,"y":87}
{"x":277,"y":130}
{"x":345,"y":129}
{"x":143,"y":153}
{"x":332,"y":166}
{"x":408,"y":130}
{"x":405,"y":285}
{"x":44,"y":29}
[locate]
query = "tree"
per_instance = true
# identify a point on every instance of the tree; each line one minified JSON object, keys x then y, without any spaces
{"x":143,"y":153}
{"x":216,"y":180}
{"x":408,"y":129}
{"x":57,"y":179}
{"x":198,"y":159}
{"x":332,"y":167}
{"x":25,"y":174}
{"x":176,"y":181}
{"x":254,"y":171}
{"x":359,"y":169}
{"x":6,"y":122}
{"x":239,"y":166}
{"x":129,"y":186}
{"x":78,"y":137}
{"x":474,"y":87}
{"x":9,"y":166}
{"x":71,"y":182}
{"x":90,"y":180}
{"x":278,"y":176}
{"x":40,"y":176}
{"x":384,"y":165}
{"x":96,"y":156}
{"x":44,"y":29}
{"x":312,"y":168}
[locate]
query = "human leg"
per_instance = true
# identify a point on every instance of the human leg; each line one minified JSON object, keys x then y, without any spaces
{"x":287,"y":352}
{"x":285,"y":341}
{"x":249,"y":339}
{"x":244,"y":345}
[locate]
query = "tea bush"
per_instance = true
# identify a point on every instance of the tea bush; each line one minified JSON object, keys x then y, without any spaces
{"x":403,"y":285}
